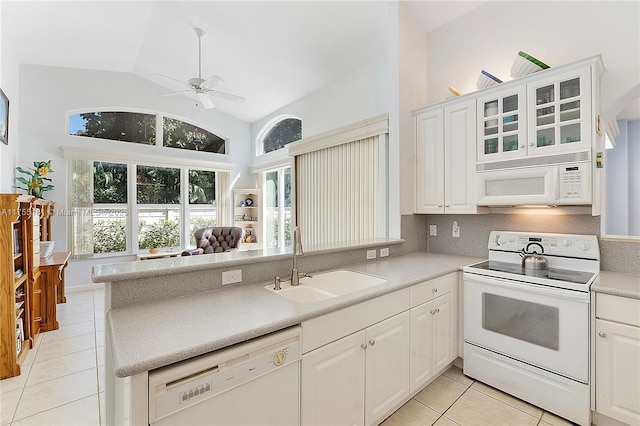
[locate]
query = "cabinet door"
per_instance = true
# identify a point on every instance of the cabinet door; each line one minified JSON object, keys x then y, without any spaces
{"x":421,"y":358}
{"x":430,"y":162}
{"x":560,"y":114}
{"x":332,"y":388}
{"x":502,"y":125}
{"x":442,"y":332}
{"x":460,"y":157}
{"x":387,"y":366}
{"x":618,"y":371}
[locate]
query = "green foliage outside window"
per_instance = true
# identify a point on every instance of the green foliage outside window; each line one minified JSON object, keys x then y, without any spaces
{"x":110,"y":236}
{"x":286,"y":131}
{"x":163,"y":233}
{"x":119,"y":126}
{"x":158,"y":185}
{"x":178,"y":134}
{"x":202,"y":187}
{"x":109,"y":183}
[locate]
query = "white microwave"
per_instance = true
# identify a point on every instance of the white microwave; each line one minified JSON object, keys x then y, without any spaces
{"x":560,"y":185}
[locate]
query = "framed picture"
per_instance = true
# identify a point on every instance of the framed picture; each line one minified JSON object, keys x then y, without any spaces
{"x":4,"y":118}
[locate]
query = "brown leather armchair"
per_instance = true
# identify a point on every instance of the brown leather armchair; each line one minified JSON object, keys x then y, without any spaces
{"x":217,"y":239}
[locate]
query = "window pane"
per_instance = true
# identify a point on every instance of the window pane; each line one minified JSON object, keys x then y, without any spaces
{"x":287,"y":187}
{"x":158,"y":185}
{"x":283,"y":133}
{"x":202,"y":187}
{"x":199,"y":218}
{"x":271,"y":209}
{"x":178,"y":134}
{"x":109,"y":183}
{"x":158,"y":227}
{"x":118,"y":126}
{"x":110,"y":229}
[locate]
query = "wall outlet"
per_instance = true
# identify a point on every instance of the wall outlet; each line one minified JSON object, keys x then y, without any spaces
{"x":433,"y":230}
{"x":371,"y":254}
{"x":384,"y":252}
{"x":455,"y":229}
{"x":230,"y":277}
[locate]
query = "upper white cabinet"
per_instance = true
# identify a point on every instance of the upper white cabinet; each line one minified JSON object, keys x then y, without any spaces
{"x":445,"y":158}
{"x":502,"y":125}
{"x":560,"y":113}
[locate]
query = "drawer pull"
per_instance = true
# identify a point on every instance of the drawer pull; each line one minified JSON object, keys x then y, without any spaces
{"x":38,"y":319}
{"x":37,"y":291}
{"x":364,"y":346}
{"x":602,"y":334}
{"x":435,"y":290}
{"x":372,"y":342}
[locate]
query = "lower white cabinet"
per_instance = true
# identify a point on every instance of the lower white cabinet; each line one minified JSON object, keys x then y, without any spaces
{"x":617,"y":341}
{"x":431,"y":339}
{"x":360,"y":378}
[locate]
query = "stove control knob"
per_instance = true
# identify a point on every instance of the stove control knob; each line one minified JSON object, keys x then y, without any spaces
{"x":566,"y":243}
{"x":502,"y":241}
{"x":584,"y":247}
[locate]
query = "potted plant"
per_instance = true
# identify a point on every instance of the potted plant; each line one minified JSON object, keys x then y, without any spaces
{"x":35,"y":185}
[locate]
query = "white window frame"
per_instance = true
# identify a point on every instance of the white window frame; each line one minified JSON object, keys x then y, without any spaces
{"x":262,"y":134}
{"x":281,"y":202}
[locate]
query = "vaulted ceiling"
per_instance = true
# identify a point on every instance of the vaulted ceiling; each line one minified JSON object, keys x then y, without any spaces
{"x":269,"y":52}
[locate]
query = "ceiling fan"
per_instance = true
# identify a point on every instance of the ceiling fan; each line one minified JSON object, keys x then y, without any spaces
{"x":204,"y":89}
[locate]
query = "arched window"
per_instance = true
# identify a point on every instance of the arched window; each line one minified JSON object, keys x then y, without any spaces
{"x":281,"y":133}
{"x":140,"y":128}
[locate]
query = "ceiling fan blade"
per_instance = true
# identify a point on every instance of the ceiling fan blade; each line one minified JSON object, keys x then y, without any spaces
{"x":225,"y":95}
{"x":180,"y":92}
{"x":212,"y":82}
{"x":205,"y":100}
{"x":171,"y":78}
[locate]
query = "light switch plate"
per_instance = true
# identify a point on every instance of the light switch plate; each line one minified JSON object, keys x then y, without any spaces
{"x":433,"y":230}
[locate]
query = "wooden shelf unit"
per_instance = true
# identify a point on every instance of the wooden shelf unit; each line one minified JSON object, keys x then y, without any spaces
{"x":247,"y":217}
{"x":22,"y":220}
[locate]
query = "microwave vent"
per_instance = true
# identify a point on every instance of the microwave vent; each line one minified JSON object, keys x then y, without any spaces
{"x":571,"y":157}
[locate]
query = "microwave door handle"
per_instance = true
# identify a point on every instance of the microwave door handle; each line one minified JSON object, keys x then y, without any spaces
{"x":528,"y":287}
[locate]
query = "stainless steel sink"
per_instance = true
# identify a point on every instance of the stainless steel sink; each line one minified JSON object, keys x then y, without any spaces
{"x":326,"y":285}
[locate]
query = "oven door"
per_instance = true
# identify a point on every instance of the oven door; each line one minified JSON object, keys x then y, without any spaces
{"x":542,"y":326}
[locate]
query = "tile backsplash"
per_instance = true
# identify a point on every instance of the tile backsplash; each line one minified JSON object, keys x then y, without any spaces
{"x":616,"y":255}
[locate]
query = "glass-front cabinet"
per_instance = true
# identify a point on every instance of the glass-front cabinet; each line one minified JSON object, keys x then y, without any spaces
{"x":559,"y":113}
{"x":502,"y":125}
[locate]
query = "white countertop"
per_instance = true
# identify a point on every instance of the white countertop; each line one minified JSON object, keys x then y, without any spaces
{"x":152,"y":335}
{"x":618,"y":284}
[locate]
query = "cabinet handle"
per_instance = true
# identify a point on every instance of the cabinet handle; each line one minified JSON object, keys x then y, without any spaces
{"x":530,"y":143}
{"x":37,"y":291}
{"x":602,"y":334}
{"x":364,"y":346}
{"x":433,"y":312}
{"x":439,"y":205}
{"x":372,"y":342}
{"x":435,"y":290}
{"x":446,"y":205}
{"x":437,"y":310}
{"x":38,"y":319}
{"x":522,"y":146}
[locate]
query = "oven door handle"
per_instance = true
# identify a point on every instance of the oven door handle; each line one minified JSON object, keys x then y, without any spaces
{"x":529,"y":287}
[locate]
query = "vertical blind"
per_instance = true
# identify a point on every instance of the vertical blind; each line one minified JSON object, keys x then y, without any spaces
{"x":341,"y":192}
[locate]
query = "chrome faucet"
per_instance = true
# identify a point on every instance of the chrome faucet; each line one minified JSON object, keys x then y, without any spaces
{"x":297,"y":251}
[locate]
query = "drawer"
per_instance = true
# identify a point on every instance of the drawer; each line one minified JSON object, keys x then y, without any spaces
{"x":429,"y":290}
{"x":624,"y":310}
{"x":327,"y":328}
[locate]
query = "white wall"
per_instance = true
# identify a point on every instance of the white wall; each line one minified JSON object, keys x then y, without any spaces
{"x":556,"y":32}
{"x":48,"y":93}
{"x":623,"y":181}
{"x":9,"y":85}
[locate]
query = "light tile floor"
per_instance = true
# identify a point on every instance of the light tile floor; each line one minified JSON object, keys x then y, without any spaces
{"x":62,"y":378}
{"x":62,"y":383}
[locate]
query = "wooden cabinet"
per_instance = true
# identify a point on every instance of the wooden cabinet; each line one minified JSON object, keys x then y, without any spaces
{"x":433,"y":329}
{"x":360,"y":378}
{"x":15,"y":305}
{"x":617,"y":366}
{"x":23,"y":293}
{"x":246,"y":215}
{"x":445,"y":158}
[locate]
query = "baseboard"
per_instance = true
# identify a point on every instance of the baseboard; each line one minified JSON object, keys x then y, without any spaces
{"x":84,"y":287}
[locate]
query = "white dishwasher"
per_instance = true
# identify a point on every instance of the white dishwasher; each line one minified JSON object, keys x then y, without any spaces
{"x":251,"y":383}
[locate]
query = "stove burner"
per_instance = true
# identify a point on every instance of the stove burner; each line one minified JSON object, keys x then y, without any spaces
{"x":576,"y":277}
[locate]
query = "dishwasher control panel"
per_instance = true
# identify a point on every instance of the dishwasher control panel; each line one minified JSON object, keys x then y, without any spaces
{"x":189,"y":382}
